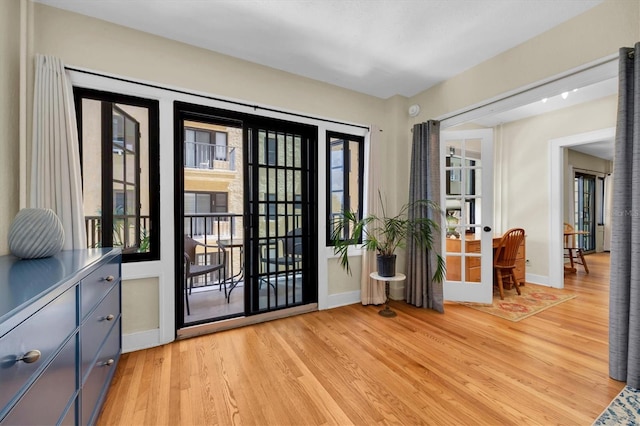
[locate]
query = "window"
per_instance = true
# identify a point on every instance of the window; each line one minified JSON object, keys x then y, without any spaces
{"x":197,"y":209}
{"x":120,"y":175}
{"x":345,"y":171}
{"x":203,"y":147}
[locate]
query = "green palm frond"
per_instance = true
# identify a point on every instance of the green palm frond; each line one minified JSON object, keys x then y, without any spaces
{"x":385,"y":234}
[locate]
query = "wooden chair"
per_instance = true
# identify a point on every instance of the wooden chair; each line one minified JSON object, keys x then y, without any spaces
{"x":504,"y":260}
{"x":571,"y":249}
{"x":192,"y":269}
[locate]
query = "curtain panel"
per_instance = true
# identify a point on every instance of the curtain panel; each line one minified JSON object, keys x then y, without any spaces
{"x":56,"y":181}
{"x":372,"y":292}
{"x":424,"y":183}
{"x":624,"y":296}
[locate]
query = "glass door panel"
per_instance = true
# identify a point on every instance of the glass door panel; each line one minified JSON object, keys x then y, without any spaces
{"x":250,"y":212}
{"x":283,"y":261}
{"x":213,"y":221}
{"x":467,"y":199}
{"x":585,"y":208}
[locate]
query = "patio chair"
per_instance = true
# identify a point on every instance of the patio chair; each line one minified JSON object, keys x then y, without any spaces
{"x":193,"y":269}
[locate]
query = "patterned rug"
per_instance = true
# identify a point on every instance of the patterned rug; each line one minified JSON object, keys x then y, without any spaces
{"x":534,"y":299}
{"x":623,"y":410}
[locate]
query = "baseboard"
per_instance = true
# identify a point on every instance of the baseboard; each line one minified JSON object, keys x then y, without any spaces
{"x":142,"y":340}
{"x":343,"y":299}
{"x":539,"y":279}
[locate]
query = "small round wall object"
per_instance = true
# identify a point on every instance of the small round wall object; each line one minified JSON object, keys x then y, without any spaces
{"x":35,"y":233}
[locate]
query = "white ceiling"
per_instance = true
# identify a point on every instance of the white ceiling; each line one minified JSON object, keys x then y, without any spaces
{"x":602,"y":149}
{"x":573,"y":97}
{"x":378,"y":47}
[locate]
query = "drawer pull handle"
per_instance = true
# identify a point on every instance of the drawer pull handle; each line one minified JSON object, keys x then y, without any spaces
{"x":31,"y":356}
{"x":109,"y":317}
{"x":110,"y":278}
{"x":109,"y":362}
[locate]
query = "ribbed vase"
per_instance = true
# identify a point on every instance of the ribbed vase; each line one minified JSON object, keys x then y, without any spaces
{"x":35,"y":233}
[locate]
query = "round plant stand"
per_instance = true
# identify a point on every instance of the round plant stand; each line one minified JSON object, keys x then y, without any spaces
{"x":387,"y":312}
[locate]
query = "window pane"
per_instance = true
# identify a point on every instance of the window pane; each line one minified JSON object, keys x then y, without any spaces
{"x":354,"y":176}
{"x":203,"y":136}
{"x":271,"y":151}
{"x":118,"y":163}
{"x":203,"y":203}
{"x":189,"y":203}
{"x":116,"y":140}
{"x":345,"y":153}
{"x":221,"y":146}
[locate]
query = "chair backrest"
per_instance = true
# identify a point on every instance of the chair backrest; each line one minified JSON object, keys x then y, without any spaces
{"x":190,"y":248}
{"x":293,"y":242}
{"x":507,"y":250}
{"x":569,"y":240}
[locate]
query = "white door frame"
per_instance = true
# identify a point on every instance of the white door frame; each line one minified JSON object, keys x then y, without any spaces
{"x":556,"y":194}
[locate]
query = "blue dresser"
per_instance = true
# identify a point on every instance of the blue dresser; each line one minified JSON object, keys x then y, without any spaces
{"x":60,"y":336}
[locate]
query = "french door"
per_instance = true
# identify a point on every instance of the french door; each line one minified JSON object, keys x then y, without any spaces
{"x":281,"y":216}
{"x":585,"y":210}
{"x":467,"y":188}
{"x":246,"y":193}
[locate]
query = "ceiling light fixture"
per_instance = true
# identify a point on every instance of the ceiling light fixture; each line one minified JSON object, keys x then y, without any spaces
{"x":544,"y":100}
{"x":564,"y":95}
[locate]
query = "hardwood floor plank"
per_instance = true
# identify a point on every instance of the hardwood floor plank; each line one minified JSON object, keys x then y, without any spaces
{"x":349,"y":365}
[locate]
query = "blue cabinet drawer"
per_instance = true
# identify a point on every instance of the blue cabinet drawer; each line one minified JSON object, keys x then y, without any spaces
{"x":69,"y":418}
{"x":96,"y":384}
{"x":45,"y":331}
{"x":96,"y":326}
{"x":97,"y":284}
{"x":45,"y":401}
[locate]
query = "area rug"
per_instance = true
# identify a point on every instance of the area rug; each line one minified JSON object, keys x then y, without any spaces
{"x":514,"y":307}
{"x":623,"y":410}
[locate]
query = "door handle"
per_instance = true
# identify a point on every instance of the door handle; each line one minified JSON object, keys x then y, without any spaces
{"x":487,"y":229}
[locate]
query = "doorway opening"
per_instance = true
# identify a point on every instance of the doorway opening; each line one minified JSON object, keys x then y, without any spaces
{"x":557,"y":151}
{"x":246,"y":215}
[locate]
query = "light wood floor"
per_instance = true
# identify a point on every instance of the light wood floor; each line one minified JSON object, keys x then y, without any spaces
{"x":351,"y":366}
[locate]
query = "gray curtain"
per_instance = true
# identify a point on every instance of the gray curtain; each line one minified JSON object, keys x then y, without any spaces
{"x":624,"y":297}
{"x":424,"y":183}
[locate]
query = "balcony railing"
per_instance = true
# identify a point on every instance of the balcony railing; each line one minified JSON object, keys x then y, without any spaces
{"x":209,"y":228}
{"x":209,"y":156}
{"x":124,"y":233}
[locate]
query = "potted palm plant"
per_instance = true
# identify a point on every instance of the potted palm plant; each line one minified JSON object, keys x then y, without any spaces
{"x":386,"y":233}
